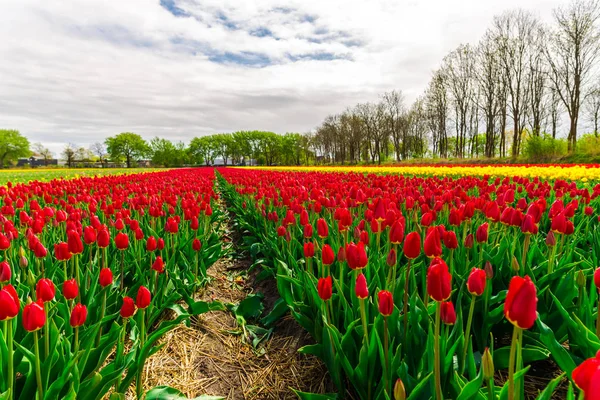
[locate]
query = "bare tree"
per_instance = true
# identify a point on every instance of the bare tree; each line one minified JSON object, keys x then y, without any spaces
{"x":393,"y":103}
{"x":538,"y":72}
{"x":592,"y":107}
{"x":459,"y":70}
{"x":572,"y":54}
{"x":44,"y":152}
{"x":69,"y":154}
{"x":436,"y":100}
{"x":99,"y":150}
{"x":514,"y":33}
{"x":490,"y":85}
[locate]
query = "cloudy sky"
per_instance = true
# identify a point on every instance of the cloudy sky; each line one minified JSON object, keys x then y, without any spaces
{"x":81,"y":70}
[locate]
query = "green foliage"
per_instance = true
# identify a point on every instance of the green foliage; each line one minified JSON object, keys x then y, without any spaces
{"x":12,"y":146}
{"x":127,"y":146}
{"x":543,"y":148}
{"x":167,"y":154}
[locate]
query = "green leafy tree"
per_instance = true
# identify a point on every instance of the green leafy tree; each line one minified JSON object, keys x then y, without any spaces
{"x":203,"y":150}
{"x":13,"y":145}
{"x":128,"y":146}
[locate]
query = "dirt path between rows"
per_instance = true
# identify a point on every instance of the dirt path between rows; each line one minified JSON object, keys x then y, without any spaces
{"x":208,"y":358}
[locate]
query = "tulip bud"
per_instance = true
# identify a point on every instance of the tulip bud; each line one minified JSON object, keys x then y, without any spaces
{"x":391,"y":258}
{"x":106,"y":277}
{"x":196,"y":245}
{"x":448,"y":313}
{"x":487,"y":361}
{"x":515,"y":264}
{"x":399,"y":390}
{"x":489,"y":270}
{"x":550,"y":239}
{"x":469,"y":241}
{"x":23,"y":262}
{"x":580,"y":279}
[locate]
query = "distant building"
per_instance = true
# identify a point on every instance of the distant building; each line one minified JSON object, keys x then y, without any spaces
{"x":35,"y":162}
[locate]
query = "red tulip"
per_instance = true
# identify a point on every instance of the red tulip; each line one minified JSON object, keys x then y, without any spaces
{"x":361,"y":289}
{"x":74,"y":242}
{"x":34,"y":316}
{"x":196,"y":245}
{"x":9,"y":303}
{"x":448,"y":314}
{"x":106,"y":277}
{"x":588,"y":211}
{"x":528,"y":226}
{"x":397,"y":232}
{"x":433,"y":244}
{"x":160,"y":244}
{"x":70,"y":289}
{"x":158,"y":265}
{"x":341,"y":255}
{"x":89,"y":235}
{"x":450,"y":240}
{"x":143,"y":297}
{"x":468,"y":241}
{"x":78,"y":315}
{"x":356,"y":256}
{"x":62,"y":252}
{"x":103,"y":238}
{"x":587,"y":376}
{"x":322,"y":228}
{"x":151,"y":244}
{"x":476,"y":281}
{"x":281,"y":231}
{"x":379,"y":210}
{"x":597,"y":278}
{"x":128,"y":307}
{"x":327,"y":255}
{"x":481,"y":235}
{"x":412,"y":245}
{"x":5,"y":272}
{"x":39,"y":250}
{"x":386,"y":303}
{"x":324,"y":288}
{"x":308,"y":231}
{"x":45,"y":290}
{"x":122,"y":241}
{"x":439,"y":280}
{"x":521,"y":302}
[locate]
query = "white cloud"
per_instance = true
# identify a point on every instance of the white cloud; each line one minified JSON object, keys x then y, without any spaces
{"x":79,"y":71}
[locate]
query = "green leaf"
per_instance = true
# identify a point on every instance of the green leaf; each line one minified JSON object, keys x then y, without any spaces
{"x":315,"y":396}
{"x":471,"y":388}
{"x":169,"y":393}
{"x":201,"y":307}
{"x":419,"y":392}
{"x":559,"y":354}
{"x":549,"y":390}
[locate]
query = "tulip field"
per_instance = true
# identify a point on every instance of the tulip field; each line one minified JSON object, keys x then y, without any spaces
{"x":417,"y":282}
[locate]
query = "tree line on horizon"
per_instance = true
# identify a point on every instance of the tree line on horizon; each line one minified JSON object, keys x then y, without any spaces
{"x":493,"y":98}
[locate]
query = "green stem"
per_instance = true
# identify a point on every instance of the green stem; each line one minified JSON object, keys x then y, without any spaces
{"x":363,"y":316}
{"x":468,"y":332}
{"x":102,"y":312}
{"x":120,"y":349}
{"x":46,"y":335}
{"x":76,"y":340}
{"x":511,"y":364}
{"x":405,"y":303}
{"x":524,"y":255}
{"x":490,"y":386}
{"x":386,"y":370}
{"x":436,"y":353}
{"x":8,"y":327}
{"x":38,"y":369}
{"x":139,"y":387}
{"x":122,"y":269}
{"x":598,"y":321}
